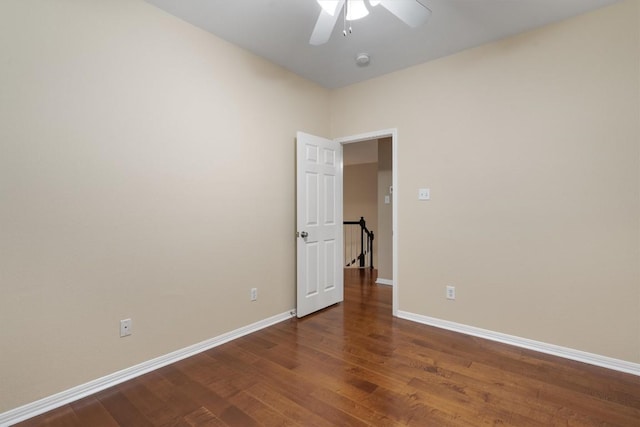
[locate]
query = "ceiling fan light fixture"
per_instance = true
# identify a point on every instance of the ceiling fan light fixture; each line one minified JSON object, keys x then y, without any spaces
{"x":329,"y":6}
{"x":356,"y":9}
{"x":411,"y":12}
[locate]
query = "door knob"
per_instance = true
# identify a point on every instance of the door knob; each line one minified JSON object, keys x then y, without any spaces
{"x":304,"y":234}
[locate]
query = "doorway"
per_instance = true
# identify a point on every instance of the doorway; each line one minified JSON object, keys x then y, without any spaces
{"x":386,"y":171}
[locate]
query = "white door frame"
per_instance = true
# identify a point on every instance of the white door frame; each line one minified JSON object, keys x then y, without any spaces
{"x":385,"y":133}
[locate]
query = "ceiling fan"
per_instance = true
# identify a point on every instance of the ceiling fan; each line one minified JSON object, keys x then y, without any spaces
{"x":411,"y":12}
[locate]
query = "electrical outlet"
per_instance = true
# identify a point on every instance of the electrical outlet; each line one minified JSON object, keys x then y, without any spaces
{"x":254,"y":294}
{"x":451,"y":292}
{"x":125,"y":328}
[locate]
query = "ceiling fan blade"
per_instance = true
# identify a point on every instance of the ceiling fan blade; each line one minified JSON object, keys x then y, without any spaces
{"x":324,"y":26}
{"x":411,"y":12}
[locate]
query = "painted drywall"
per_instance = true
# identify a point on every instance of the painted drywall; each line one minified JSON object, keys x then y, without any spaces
{"x":147,"y":172}
{"x":530,"y":147}
{"x":360,"y":199}
{"x":384,"y":236}
{"x":360,"y":152}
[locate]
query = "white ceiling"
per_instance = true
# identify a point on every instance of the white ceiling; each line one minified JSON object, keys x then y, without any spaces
{"x":279,"y":31}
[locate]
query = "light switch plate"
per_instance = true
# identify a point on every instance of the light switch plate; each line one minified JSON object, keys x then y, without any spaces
{"x":424,"y":194}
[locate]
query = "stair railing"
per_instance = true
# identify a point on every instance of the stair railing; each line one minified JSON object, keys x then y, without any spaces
{"x":358,"y":244}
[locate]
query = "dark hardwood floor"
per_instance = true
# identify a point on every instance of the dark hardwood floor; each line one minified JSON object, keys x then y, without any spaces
{"x":354,"y":364}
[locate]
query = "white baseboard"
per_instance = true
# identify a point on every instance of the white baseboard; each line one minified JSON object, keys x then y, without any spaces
{"x":59,"y":399}
{"x":387,"y":282}
{"x":555,"y":350}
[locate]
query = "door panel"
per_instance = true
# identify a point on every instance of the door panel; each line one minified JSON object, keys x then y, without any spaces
{"x":319,"y":223}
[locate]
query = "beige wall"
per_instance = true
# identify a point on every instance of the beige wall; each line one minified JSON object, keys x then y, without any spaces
{"x":383,"y":241}
{"x":360,"y":196}
{"x":143,"y":162}
{"x":531,"y":149}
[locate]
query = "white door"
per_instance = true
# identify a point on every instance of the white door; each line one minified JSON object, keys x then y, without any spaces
{"x":319,"y":223}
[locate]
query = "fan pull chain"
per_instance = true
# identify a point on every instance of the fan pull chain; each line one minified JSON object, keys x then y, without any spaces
{"x":344,"y":20}
{"x":345,"y":15}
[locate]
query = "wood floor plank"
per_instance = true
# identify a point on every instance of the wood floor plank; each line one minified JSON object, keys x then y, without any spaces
{"x":202,"y":417}
{"x":122,"y":409}
{"x":289,"y":408}
{"x":354,"y":408}
{"x":355,"y":364}
{"x":90,"y":412}
{"x":264,"y":414}
{"x":61,"y":417}
{"x":297,"y":388}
